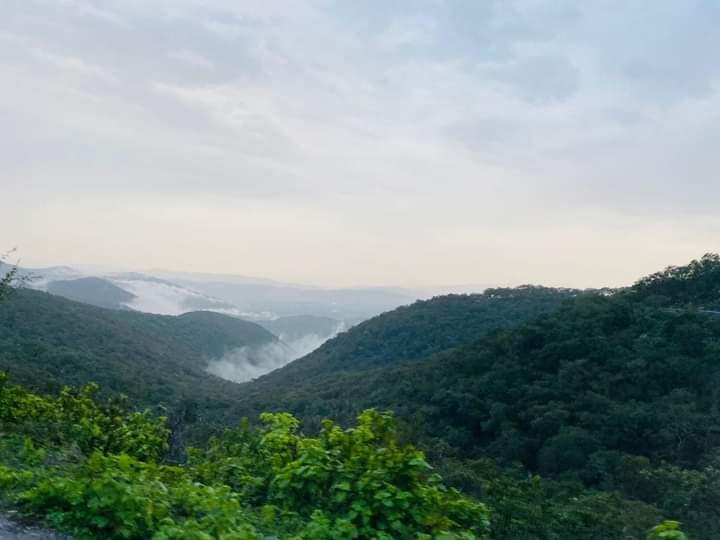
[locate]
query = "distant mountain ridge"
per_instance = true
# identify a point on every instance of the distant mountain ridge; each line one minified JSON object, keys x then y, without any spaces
{"x":94,"y":291}
{"x":173,"y":293}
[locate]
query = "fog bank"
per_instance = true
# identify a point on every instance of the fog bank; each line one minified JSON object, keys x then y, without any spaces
{"x":246,"y":363}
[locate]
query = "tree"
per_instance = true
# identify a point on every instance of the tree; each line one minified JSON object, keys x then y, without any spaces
{"x":9,"y":278}
{"x":668,"y":530}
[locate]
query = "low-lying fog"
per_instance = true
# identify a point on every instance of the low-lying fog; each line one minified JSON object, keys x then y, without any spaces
{"x":247,"y":363}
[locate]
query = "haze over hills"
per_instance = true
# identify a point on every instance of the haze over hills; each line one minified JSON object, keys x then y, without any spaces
{"x":120,"y":290}
{"x":350,"y":305}
{"x":297,"y":326}
{"x":305,"y":326}
{"x":173,"y":293}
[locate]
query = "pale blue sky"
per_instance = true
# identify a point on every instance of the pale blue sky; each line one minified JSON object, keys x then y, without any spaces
{"x":362,"y":142}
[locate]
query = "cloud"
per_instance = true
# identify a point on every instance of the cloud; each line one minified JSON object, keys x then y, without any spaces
{"x":247,"y":363}
{"x":379,"y":129}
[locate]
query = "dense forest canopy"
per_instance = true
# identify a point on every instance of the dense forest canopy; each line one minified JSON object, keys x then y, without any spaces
{"x":611,"y":392}
{"x":416,"y":331}
{"x":47,"y":341}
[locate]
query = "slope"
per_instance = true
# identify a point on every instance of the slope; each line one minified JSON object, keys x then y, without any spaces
{"x":47,"y":341}
{"x":416,"y":331}
{"x":617,"y":393}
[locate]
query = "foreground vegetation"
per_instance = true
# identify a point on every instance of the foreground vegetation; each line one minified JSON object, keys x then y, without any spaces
{"x":94,"y":470}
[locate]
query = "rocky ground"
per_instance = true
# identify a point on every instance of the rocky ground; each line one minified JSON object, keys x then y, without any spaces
{"x":11,"y":529}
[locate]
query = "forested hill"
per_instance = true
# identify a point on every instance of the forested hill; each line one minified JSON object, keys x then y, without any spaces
{"x":416,"y":331}
{"x":610,"y":392}
{"x":47,"y":341}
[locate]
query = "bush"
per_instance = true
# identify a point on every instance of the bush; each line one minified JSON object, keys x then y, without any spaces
{"x":251,"y":483}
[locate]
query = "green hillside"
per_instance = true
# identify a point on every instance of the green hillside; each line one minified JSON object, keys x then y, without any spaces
{"x":413,"y":332}
{"x":47,"y":341}
{"x":613,"y":394}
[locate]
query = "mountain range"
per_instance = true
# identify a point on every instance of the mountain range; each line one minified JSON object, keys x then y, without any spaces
{"x":174,"y":293}
{"x":543,"y":402}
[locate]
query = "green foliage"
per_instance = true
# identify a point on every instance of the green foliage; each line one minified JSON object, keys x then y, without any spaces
{"x":109,"y":497}
{"x":365,"y":479}
{"x":251,"y":483}
{"x":525,"y":507}
{"x":355,"y":483}
{"x":76,"y":417}
{"x":668,"y":530}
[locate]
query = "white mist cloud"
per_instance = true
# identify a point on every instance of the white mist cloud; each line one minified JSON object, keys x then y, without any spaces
{"x":248,"y":363}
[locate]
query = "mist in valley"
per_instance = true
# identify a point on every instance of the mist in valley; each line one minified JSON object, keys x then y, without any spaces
{"x":247,"y":363}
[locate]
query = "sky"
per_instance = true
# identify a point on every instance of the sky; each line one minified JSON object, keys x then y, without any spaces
{"x":374,"y":142}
